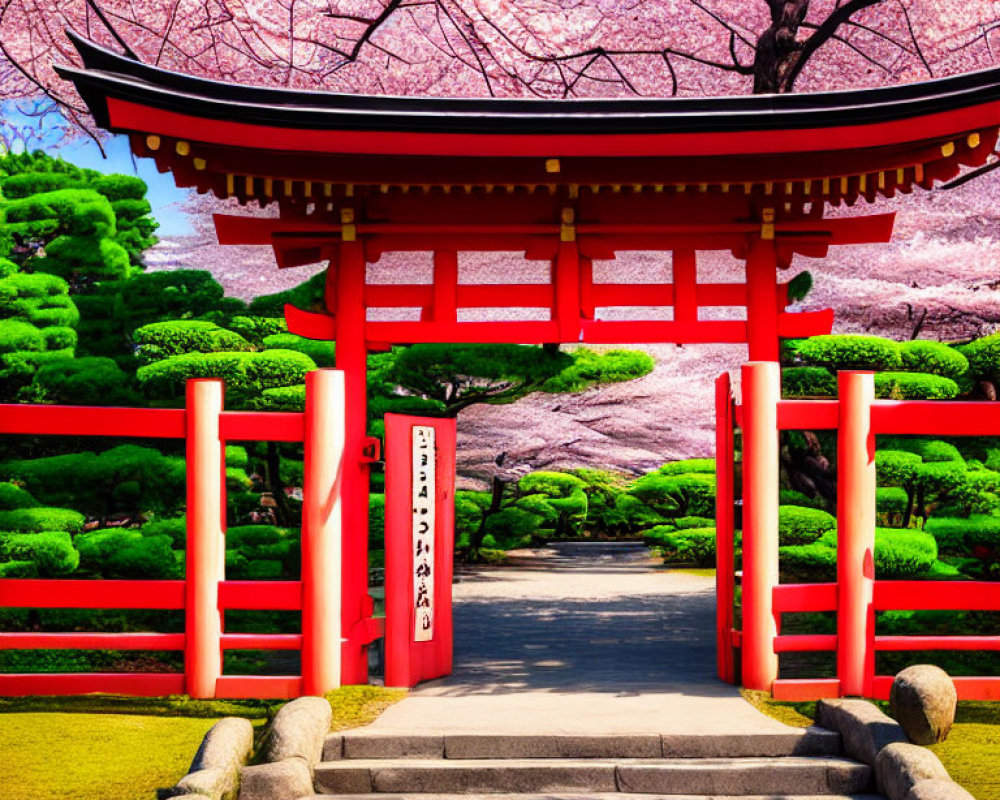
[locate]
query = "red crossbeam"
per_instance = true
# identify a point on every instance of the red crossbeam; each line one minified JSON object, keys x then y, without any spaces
{"x":55,"y":593}
{"x":937,"y":596}
{"x":803,"y":597}
{"x":91,"y":641}
{"x":138,"y":684}
{"x":261,"y":595}
{"x":164,"y":423}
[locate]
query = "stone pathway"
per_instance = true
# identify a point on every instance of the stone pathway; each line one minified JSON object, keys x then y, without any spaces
{"x":580,"y":644}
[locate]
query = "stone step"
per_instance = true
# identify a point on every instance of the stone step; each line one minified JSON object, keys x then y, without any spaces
{"x":596,"y":796}
{"x":722,"y":776}
{"x":795,"y":742}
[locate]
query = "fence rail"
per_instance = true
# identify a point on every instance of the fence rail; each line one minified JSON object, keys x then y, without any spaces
{"x":856,"y":596}
{"x":204,"y":594}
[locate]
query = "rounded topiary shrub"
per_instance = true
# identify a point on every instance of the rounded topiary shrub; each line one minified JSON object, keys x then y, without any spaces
{"x":41,"y":519}
{"x":808,"y":382}
{"x":984,"y":358}
{"x":689,"y":546}
{"x":963,"y":536}
{"x":902,"y":554}
{"x":914,"y":386}
{"x":688,"y":466}
{"x":839,"y":352}
{"x":13,"y":496}
{"x":790,"y":497}
{"x":809,"y":563}
{"x":50,"y":553}
{"x":891,"y":500}
{"x":934,"y":358}
{"x":160,"y":340}
{"x":323,"y":353}
{"x":677,"y":495}
{"x":797,"y":525}
{"x":126,"y":553}
{"x":896,"y":467}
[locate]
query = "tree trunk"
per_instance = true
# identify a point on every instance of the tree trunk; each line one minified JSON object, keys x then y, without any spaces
{"x":497,"y":489}
{"x":778,"y":49}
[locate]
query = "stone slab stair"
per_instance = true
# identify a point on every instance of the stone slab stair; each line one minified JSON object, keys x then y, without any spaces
{"x":798,"y":765}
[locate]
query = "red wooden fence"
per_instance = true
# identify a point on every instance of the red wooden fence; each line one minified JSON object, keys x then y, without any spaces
{"x":857,"y":596}
{"x":204,"y":595}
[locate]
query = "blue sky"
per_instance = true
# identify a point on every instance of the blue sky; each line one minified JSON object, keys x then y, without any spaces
{"x":164,"y":197}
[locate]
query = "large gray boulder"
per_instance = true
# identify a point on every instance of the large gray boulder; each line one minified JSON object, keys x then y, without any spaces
{"x":923,"y":701}
{"x":901,"y":766}
{"x":298,"y":731}
{"x":935,"y":789}
{"x":863,"y":727}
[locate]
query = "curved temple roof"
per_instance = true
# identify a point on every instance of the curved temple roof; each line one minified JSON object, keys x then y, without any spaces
{"x":836,"y":145}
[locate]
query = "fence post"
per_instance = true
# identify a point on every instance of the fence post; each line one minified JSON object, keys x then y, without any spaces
{"x":205,"y":563}
{"x":761,"y":382}
{"x":321,"y":531}
{"x":856,"y":482}
{"x":724,"y":556}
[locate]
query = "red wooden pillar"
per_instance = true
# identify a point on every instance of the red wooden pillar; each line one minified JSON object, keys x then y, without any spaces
{"x":724,"y":547}
{"x":566,"y":277}
{"x":762,"y":301}
{"x":856,"y":483}
{"x":205,"y":558}
{"x":352,"y":360}
{"x":322,"y":542}
{"x":761,"y":393}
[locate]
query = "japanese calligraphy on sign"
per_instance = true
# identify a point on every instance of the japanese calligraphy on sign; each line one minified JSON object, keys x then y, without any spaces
{"x":424,"y":458}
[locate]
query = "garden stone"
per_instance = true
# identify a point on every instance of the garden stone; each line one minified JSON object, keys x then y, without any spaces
{"x":289,"y":779}
{"x":923,"y":700}
{"x":901,"y":765}
{"x":863,"y":727}
{"x":935,"y":789}
{"x":298,"y":731}
{"x":214,"y":772}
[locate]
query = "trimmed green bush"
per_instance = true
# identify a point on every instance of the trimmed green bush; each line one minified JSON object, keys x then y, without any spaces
{"x":797,"y":525}
{"x":808,"y":382}
{"x":891,"y":500}
{"x":511,"y":528}
{"x":684,"y":523}
{"x":934,"y":358}
{"x":284,"y":398}
{"x":89,"y":381}
{"x":256,"y":329}
{"x":563,"y":493}
{"x":376,"y":521}
{"x":959,"y":536}
{"x":126,"y":553}
{"x":160,"y":340}
{"x":790,"y":497}
{"x":914,"y":386}
{"x":841,"y":352}
{"x":810,"y":563}
{"x":40,"y":519}
{"x":247,"y":375}
{"x":690,"y":546}
{"x":896,"y":467}
{"x":50,"y":553}
{"x":984,"y":358}
{"x":124,"y":478}
{"x":689,"y":466}
{"x":677,"y":495}
{"x":589,"y":367}
{"x":13,"y":496}
{"x":902,"y":554}
{"x":174,"y":527}
{"x":323,"y":353}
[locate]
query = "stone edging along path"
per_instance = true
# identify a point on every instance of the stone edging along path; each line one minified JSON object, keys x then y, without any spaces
{"x":903,"y":771}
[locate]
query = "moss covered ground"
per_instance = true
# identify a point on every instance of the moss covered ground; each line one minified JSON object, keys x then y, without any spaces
{"x":123,"y":748}
{"x":970,"y":754}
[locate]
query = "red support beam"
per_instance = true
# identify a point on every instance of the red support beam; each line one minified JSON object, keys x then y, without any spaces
{"x":260,"y":595}
{"x":137,"y":684}
{"x":352,"y":361}
{"x":762,"y":301}
{"x":685,"y":286}
{"x":566,"y":282}
{"x":448,"y":295}
{"x":59,"y":593}
{"x":91,"y":641}
{"x":725,"y":561}
{"x":148,"y":423}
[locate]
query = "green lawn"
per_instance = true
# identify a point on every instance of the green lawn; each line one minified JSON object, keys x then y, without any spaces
{"x":970,"y":754}
{"x":118,"y":748}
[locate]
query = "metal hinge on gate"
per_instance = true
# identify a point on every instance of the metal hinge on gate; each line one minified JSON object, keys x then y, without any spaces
{"x":371,"y":450}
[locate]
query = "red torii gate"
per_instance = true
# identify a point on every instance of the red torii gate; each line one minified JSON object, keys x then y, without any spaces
{"x":568,"y":182}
